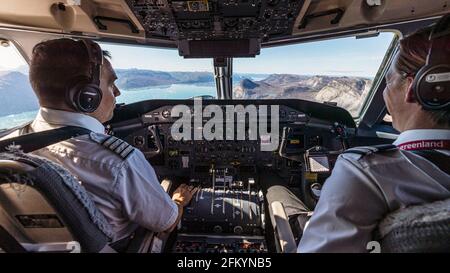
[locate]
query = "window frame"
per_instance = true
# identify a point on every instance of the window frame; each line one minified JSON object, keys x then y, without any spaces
{"x":379,"y":77}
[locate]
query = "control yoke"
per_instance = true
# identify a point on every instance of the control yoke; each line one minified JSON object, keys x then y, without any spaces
{"x":283,"y":152}
{"x":154,"y":134}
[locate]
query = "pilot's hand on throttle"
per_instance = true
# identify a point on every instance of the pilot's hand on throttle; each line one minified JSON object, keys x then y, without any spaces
{"x":183,"y":194}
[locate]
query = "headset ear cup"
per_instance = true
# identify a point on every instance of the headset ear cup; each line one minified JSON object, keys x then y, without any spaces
{"x":90,"y":98}
{"x":73,"y":89}
{"x":432,"y":94}
{"x":83,"y":95}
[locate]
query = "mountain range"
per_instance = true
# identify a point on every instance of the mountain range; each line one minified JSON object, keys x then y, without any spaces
{"x":346,"y":92}
{"x":15,"y":87}
{"x":129,"y":79}
{"x":16,"y":95}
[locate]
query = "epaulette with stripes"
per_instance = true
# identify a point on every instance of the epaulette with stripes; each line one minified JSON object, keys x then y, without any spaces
{"x":118,"y":146}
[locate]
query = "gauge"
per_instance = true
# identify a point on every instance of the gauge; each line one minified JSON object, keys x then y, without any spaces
{"x":139,"y":141}
{"x":166,"y":114}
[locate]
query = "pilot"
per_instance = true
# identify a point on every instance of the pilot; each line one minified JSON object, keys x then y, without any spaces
{"x":121,"y":182}
{"x":366,"y":185}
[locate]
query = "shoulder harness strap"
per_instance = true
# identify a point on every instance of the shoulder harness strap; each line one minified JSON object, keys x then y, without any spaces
{"x":118,"y":146}
{"x":35,"y":141}
{"x":371,"y":149}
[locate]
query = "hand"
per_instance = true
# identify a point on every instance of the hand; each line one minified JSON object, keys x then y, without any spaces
{"x":183,"y":194}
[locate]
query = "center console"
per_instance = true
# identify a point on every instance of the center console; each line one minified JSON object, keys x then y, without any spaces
{"x":226,"y":216}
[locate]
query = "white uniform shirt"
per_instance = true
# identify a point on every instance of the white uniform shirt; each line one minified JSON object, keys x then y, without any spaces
{"x":362,"y":190}
{"x":126,"y":191}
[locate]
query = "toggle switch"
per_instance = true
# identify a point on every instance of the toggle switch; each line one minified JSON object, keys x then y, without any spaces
{"x":185,"y":162}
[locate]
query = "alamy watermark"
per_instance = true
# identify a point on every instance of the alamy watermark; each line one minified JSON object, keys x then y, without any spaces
{"x":251,"y":122}
{"x":373,"y":247}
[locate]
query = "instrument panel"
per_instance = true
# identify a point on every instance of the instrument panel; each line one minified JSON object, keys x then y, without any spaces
{"x":228,"y":212}
{"x":193,"y":158}
{"x":217,"y":28}
{"x":220,"y":19}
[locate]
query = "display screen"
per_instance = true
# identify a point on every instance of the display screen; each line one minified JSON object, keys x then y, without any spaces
{"x":319,"y":164}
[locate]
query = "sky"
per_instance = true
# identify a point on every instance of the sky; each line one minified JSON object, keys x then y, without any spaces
{"x":10,"y":58}
{"x":346,"y":56}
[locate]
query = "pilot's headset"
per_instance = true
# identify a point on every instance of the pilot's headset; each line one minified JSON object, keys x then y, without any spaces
{"x":432,"y":82}
{"x":83,"y":92}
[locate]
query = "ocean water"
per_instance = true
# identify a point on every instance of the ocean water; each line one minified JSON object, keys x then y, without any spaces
{"x":16,"y":119}
{"x":175,"y":91}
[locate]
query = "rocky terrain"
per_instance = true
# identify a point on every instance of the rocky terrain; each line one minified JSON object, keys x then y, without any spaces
{"x":346,"y":92}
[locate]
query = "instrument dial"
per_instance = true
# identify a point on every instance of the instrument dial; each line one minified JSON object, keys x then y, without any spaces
{"x":166,"y":114}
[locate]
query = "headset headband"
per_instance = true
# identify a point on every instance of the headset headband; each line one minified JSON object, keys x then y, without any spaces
{"x":95,"y":56}
{"x":439,"y":38}
{"x":442,"y":28}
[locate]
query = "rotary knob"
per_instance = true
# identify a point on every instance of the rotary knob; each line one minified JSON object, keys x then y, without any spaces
{"x":139,"y":141}
{"x":238,"y":230}
{"x":316,"y":189}
{"x":217,"y":229}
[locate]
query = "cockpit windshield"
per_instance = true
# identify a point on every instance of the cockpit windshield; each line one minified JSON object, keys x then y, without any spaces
{"x":338,"y":71}
{"x":154,"y":73}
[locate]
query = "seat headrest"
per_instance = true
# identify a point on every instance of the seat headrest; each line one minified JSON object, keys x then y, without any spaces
{"x":415,"y":214}
{"x":421,"y":228}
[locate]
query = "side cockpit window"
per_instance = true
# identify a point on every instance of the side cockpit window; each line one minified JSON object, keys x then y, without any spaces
{"x":18,"y":103}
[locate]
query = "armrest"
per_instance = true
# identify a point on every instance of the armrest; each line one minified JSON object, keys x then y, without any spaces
{"x":282,"y":228}
{"x":60,"y":247}
{"x":158,"y":241}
